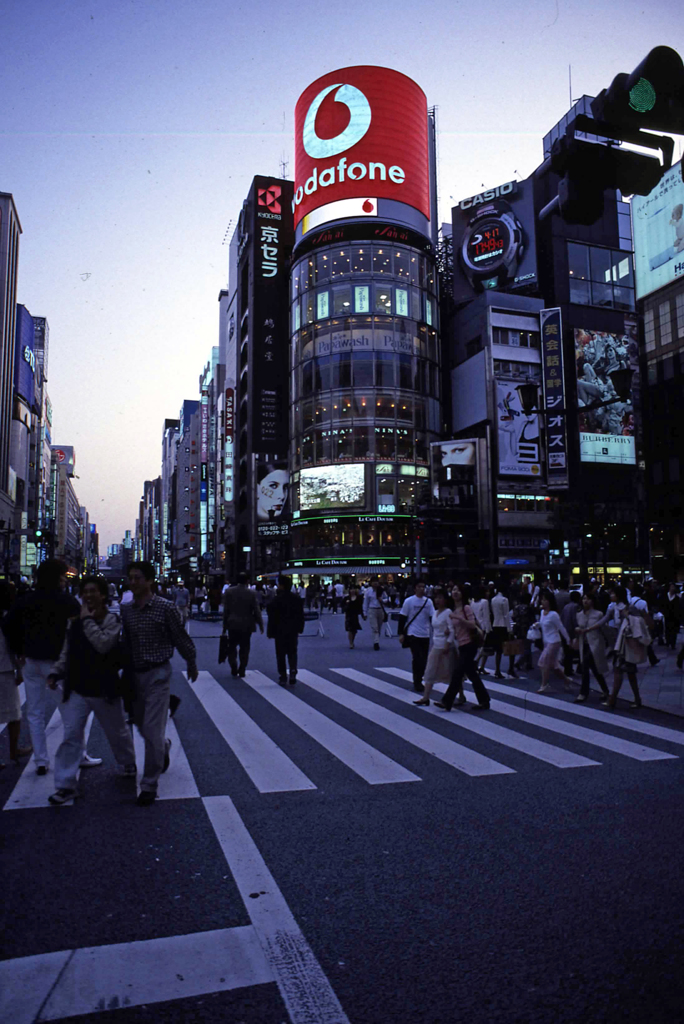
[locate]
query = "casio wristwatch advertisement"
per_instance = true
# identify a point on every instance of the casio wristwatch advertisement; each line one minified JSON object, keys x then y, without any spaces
{"x":493,"y":246}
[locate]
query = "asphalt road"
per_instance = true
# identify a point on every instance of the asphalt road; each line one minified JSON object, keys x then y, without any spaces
{"x":445,"y":875}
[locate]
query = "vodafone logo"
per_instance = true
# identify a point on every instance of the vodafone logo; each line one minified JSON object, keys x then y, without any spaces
{"x":360,"y":119}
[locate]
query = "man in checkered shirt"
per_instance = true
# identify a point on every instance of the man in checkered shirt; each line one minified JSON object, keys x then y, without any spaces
{"x":152,"y":628}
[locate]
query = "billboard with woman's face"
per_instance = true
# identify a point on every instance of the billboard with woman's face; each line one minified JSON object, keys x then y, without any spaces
{"x":272,"y":491}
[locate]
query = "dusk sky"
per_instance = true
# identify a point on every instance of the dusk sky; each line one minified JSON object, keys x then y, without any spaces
{"x":130,"y":131}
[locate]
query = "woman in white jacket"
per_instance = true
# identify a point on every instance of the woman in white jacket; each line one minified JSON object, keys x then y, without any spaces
{"x":441,"y":656}
{"x":552,"y":630}
{"x":483,"y":617}
{"x":592,"y":647}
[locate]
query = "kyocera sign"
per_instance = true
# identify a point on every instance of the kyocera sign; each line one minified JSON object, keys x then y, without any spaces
{"x":361,"y":134}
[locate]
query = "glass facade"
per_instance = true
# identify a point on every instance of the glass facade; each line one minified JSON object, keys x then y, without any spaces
{"x":364,"y":376}
{"x":600,"y":277}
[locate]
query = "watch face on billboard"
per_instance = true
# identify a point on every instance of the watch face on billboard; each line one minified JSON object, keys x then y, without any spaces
{"x":361,"y":134}
{"x":658,"y":226}
{"x":606,"y":433}
{"x":493,"y":241}
{"x":332,"y":487}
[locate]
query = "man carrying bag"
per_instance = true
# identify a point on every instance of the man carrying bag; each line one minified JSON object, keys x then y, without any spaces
{"x":414,"y":628}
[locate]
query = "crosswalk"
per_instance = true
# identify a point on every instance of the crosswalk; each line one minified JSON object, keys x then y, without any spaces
{"x":541,"y":728}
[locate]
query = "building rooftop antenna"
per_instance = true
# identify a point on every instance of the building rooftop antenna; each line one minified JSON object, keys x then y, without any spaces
{"x":284,"y":165}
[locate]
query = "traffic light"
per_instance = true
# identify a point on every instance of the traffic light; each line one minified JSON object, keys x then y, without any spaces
{"x":583,"y":168}
{"x":651,"y":97}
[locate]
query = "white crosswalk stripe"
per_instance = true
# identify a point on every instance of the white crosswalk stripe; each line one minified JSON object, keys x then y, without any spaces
{"x":481,"y":726}
{"x":269,"y":768}
{"x":636,"y":751}
{"x":455,"y":754}
{"x":373,"y":766}
{"x":33,"y":790}
{"x":178,"y":781}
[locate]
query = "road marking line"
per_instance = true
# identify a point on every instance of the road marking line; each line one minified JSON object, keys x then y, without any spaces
{"x":269,"y":768}
{"x":372,"y":765}
{"x":427,"y":740}
{"x":482,"y":726}
{"x":33,"y":790}
{"x":70,"y":983}
{"x":600,"y":717}
{"x":178,"y":783}
{"x":305,"y":989}
{"x":22,"y":698}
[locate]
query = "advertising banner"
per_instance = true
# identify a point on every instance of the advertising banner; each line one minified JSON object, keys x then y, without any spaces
{"x":551,"y":327}
{"x":272,"y":498}
{"x":229,"y":444}
{"x":658,"y":228}
{"x":519,"y":446}
{"x":332,"y":487}
{"x":271,"y":240}
{"x":454,"y":472}
{"x":64,"y":456}
{"x":494,"y":241}
{"x":361,"y":136}
{"x":24,"y":356}
{"x":606,"y":433}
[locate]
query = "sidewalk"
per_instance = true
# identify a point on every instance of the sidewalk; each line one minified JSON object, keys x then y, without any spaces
{"x":661,"y":686}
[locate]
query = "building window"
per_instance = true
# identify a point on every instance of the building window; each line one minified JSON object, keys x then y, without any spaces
{"x":649,"y":330}
{"x":665,"y":323}
{"x":600,"y":277}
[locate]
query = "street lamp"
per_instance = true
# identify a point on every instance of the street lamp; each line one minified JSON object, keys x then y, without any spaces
{"x":621,"y":380}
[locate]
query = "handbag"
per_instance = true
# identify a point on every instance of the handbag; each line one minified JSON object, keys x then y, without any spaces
{"x":513,"y":648}
{"x":534,"y":632}
{"x":405,"y":639}
{"x":223,"y":648}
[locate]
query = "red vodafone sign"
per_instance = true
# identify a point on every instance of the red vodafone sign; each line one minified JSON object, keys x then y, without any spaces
{"x":361,"y":134}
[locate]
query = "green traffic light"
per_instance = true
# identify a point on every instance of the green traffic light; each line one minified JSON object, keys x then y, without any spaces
{"x":642,"y":96}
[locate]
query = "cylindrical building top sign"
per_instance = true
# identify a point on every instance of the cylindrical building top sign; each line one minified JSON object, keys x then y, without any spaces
{"x":361,"y":134}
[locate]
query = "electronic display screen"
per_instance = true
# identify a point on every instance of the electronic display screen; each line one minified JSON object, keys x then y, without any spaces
{"x":332,"y":487}
{"x":487,"y":243}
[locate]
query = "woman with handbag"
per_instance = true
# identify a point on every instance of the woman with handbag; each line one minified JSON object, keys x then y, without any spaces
{"x":467,"y":634}
{"x":592,"y":647}
{"x":438,"y":668}
{"x":552,"y":629}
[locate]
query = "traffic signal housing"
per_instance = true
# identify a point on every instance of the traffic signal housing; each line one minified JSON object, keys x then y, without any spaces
{"x":651,"y":97}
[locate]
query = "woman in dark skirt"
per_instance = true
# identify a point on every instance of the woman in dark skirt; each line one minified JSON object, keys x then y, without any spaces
{"x":353,"y":608}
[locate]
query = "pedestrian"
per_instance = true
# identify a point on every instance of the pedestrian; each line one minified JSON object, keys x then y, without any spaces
{"x":631,"y":650}
{"x":414,"y":623}
{"x":483,"y":616}
{"x":438,"y":667}
{"x":672,"y":613}
{"x":241,"y":616}
{"x":10,"y":677}
{"x":285,"y":623}
{"x":338,"y":594}
{"x":592,"y":647}
{"x":467,"y":634}
{"x":89,"y":665}
{"x":638,"y":606}
{"x":35,"y":628}
{"x":182,"y":602}
{"x":523,"y":616}
{"x":568,"y":617}
{"x":501,"y":625}
{"x":374,"y":611}
{"x":552,"y":631}
{"x":152,"y":628}
{"x":353,"y":608}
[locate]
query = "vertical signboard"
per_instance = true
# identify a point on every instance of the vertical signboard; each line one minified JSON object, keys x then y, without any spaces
{"x":607,"y":432}
{"x":229,"y":444}
{"x":554,"y":399}
{"x":272,"y":240}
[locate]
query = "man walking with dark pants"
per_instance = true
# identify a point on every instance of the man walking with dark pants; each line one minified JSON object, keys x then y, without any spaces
{"x":241,"y":616}
{"x":152,"y":628}
{"x":285,"y":623}
{"x":416,"y":616}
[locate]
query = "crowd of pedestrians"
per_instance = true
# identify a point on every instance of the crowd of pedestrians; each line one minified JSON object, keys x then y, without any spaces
{"x":109,"y":652}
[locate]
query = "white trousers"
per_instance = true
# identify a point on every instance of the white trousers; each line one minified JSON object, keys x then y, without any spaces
{"x":376,"y":617}
{"x":75,"y":713}
{"x":40,"y":704}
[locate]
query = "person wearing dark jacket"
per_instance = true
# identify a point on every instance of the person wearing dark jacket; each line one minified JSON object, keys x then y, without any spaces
{"x":241,"y":616}
{"x":89,"y":666}
{"x":35,"y":629}
{"x":285,"y":623}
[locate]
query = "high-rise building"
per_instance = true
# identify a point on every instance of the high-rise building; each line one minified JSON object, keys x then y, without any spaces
{"x":10,"y":230}
{"x":364,"y":324}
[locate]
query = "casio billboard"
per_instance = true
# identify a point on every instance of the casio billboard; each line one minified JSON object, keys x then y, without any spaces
{"x":361,"y":137}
